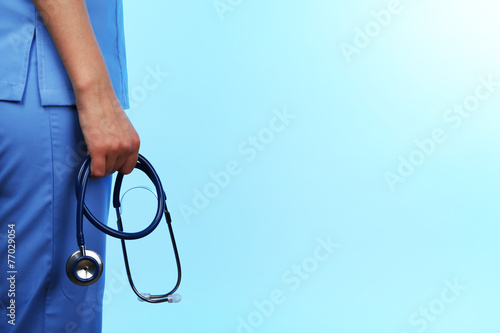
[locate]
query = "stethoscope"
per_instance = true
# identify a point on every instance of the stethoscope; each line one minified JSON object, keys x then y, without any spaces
{"x":84,"y":267}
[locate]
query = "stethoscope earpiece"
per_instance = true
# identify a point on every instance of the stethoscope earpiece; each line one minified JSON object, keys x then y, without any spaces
{"x":84,"y":267}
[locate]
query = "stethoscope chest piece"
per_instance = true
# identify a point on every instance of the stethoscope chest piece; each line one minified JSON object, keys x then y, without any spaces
{"x":84,"y":267}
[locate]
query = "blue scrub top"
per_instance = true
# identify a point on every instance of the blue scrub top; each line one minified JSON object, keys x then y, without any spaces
{"x":20,"y":23}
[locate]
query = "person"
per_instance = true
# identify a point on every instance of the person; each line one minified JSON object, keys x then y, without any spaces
{"x":63,"y":91}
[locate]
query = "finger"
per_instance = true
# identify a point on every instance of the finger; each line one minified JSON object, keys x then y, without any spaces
{"x":129,"y":164}
{"x":118,"y":163}
{"x":132,"y":155}
{"x":97,"y":166}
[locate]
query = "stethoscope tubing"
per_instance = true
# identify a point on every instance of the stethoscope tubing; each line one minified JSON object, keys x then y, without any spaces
{"x":81,"y":187}
{"x":79,"y":256}
{"x":152,"y":298}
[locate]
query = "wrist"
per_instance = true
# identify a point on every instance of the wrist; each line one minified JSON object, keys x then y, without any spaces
{"x":97,"y":99}
{"x":91,"y":80}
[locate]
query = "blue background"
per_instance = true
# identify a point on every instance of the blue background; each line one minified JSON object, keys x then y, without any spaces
{"x":371,"y":205}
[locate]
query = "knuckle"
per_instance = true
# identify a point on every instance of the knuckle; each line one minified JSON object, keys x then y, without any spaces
{"x":135,"y":146}
{"x":98,"y":151}
{"x":114,"y":147}
{"x":124,"y":147}
{"x":136,"y":142}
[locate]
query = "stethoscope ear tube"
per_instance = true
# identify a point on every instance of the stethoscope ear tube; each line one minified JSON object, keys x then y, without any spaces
{"x":169,"y":297}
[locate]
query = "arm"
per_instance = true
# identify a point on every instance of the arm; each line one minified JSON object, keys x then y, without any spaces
{"x":113,"y":143}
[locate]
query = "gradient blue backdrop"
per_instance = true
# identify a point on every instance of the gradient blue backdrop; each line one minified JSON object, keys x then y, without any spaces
{"x":330,"y":166}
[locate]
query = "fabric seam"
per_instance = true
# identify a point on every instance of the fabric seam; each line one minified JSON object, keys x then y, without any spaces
{"x":42,"y":58}
{"x":124,"y":96}
{"x":47,"y":109}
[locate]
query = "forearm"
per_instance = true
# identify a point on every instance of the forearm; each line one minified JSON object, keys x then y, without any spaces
{"x":112,"y":142}
{"x":69,"y":26}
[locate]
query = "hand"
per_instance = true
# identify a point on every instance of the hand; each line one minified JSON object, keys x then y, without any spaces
{"x":112,"y":142}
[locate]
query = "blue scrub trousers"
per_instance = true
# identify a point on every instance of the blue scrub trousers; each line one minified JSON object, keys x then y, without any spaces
{"x":41,"y":149}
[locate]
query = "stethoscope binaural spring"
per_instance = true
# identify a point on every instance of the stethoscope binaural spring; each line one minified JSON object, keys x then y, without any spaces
{"x":84,"y":267}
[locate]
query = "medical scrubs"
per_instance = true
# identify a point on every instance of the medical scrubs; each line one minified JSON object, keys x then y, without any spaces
{"x":41,"y":147}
